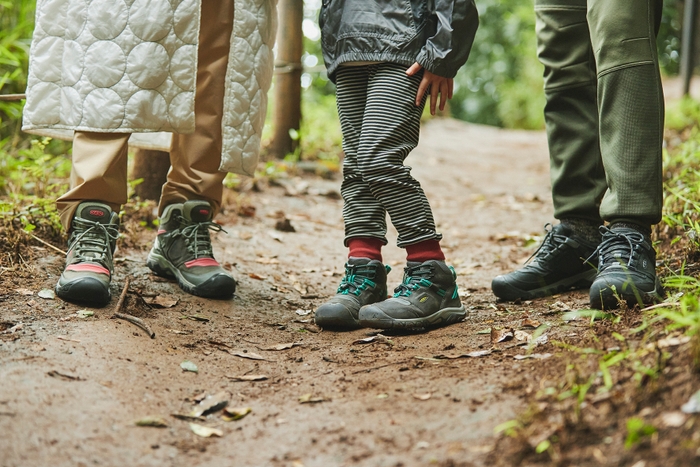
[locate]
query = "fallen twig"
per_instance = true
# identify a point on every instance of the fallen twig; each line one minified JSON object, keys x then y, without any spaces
{"x":126,"y":317}
{"x":45,"y":243}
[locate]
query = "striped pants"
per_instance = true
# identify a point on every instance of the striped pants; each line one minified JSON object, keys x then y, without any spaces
{"x":381,"y":125}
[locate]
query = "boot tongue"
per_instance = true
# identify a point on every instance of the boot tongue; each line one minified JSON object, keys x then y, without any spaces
{"x":95,"y":212}
{"x":197,"y":211}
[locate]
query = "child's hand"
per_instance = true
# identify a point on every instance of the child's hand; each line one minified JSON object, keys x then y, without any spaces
{"x":436,"y":84}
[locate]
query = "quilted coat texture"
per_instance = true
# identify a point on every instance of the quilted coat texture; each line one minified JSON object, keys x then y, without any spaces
{"x":130,"y":66}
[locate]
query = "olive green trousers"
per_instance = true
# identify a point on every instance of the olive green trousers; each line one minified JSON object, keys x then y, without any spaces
{"x":604,"y":108}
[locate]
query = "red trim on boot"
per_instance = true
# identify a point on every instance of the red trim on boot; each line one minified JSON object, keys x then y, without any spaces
{"x":87,"y":267}
{"x":425,"y":251}
{"x":201,"y":262}
{"x":365,"y":247}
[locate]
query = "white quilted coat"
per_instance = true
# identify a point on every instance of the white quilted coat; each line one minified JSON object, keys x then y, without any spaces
{"x":130,"y":66}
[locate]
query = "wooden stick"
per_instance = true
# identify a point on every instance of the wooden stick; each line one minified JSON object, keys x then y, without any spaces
{"x":47,"y":244}
{"x":126,"y":317}
{"x":12,"y":97}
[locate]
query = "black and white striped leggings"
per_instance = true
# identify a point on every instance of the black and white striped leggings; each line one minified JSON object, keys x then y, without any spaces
{"x":381,"y":125}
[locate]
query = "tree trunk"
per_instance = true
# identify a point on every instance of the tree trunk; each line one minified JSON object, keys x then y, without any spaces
{"x":288,"y":68}
{"x":152,"y":166}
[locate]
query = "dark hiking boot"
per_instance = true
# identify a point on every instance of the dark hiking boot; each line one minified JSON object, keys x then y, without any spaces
{"x":182,"y":250}
{"x":91,"y":244}
{"x":364,"y":283}
{"x":426,"y":298}
{"x":558,"y":265}
{"x":626,"y":270}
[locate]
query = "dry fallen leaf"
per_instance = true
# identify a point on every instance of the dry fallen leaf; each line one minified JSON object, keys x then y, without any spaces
{"x":23,"y":291}
{"x":263,"y":260}
{"x":211,"y":404}
{"x":252,"y":275}
{"x":672,"y":341}
{"x":152,"y":421}
{"x":523,"y":336}
{"x":673,"y":419}
{"x":501,"y":335}
{"x":423,"y":397}
{"x":530,"y":323}
{"x":189,"y":366}
{"x":378,"y":339}
{"x":248,"y":378}
{"x":47,"y":294}
{"x":246,"y":354}
{"x":284,"y":346}
{"x":205,"y":431}
{"x":475,"y":354}
{"x":536,"y":356}
{"x":309,"y":399}
{"x":235,"y":413}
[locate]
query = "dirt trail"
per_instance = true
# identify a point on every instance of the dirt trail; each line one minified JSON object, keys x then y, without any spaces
{"x":383,"y":404}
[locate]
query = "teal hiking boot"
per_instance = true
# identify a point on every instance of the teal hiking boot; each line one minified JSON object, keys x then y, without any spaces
{"x":183,"y":251}
{"x":426,"y":298}
{"x":558,"y":265}
{"x":626,"y":270}
{"x":364,"y":283}
{"x":88,"y":272}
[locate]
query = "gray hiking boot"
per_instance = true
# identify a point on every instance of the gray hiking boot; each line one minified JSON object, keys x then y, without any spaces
{"x":626,"y":270}
{"x":427,"y":298}
{"x":182,"y":250}
{"x":93,"y":235}
{"x":364,"y":283}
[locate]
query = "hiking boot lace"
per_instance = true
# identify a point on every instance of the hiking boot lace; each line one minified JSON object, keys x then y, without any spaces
{"x":197,"y":237}
{"x":617,"y":245}
{"x":549,"y":244}
{"x":416,"y":277}
{"x":357,"y":279}
{"x":93,"y":240}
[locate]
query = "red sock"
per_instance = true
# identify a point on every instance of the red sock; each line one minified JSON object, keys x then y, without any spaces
{"x":425,"y":251}
{"x":365,"y":247}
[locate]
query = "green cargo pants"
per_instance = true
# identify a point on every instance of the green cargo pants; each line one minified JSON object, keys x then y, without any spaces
{"x":604,"y":108}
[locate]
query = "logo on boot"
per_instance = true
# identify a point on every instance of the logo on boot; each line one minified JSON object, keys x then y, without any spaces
{"x":97,"y":212}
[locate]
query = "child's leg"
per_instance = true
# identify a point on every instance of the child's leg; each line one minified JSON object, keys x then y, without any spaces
{"x":364,"y":215}
{"x":428,"y":295}
{"x":390,"y":131}
{"x":365,"y":218}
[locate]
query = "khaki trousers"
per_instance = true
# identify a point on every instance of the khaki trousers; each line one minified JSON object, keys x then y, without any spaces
{"x":99,"y":171}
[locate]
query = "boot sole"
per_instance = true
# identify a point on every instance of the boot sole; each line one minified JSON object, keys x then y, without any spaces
{"x":85,"y":290}
{"x":377,"y":319}
{"x":210,"y":289}
{"x":508,"y":292}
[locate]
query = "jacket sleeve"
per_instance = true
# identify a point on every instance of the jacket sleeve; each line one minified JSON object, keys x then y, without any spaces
{"x":448,"y":48}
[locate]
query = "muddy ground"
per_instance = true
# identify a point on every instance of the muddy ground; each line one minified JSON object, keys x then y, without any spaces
{"x":74,"y":382}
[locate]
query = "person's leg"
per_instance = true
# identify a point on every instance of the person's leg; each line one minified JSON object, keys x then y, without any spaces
{"x":192,"y":194}
{"x":577,"y":175}
{"x":98,"y":172}
{"x":631,"y":105}
{"x":364,"y":216}
{"x":89,"y":212}
{"x":195,"y":158}
{"x":390,"y":130}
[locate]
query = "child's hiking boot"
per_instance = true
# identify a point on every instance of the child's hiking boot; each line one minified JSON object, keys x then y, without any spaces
{"x":182,"y":250}
{"x":364,"y":283}
{"x":626,"y":270}
{"x":559,"y":264}
{"x":426,"y":298}
{"x":91,"y":244}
